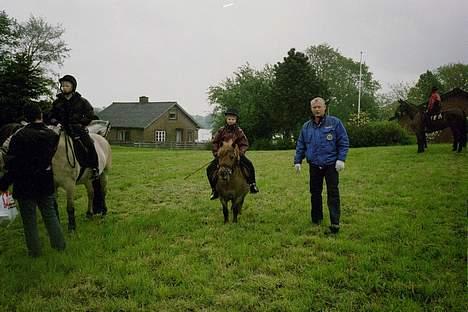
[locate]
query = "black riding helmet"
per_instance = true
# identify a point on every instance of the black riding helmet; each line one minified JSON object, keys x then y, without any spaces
{"x":70,"y":79}
{"x":232,"y":111}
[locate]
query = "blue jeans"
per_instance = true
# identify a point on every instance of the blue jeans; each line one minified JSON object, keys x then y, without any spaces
{"x":27,"y":209}
{"x":317,"y":174}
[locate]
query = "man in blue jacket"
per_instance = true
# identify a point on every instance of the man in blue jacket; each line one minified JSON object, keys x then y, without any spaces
{"x":323,"y":141}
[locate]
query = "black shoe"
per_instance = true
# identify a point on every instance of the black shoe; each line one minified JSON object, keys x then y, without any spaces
{"x":214,"y":195}
{"x":253,"y":188}
{"x":334,"y":229}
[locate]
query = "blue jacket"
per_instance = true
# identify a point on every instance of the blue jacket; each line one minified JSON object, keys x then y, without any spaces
{"x":322,"y":144}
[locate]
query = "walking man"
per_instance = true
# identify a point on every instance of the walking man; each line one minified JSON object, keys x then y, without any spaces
{"x":323,"y":141}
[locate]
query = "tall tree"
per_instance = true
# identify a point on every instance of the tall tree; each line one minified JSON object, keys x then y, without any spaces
{"x":29,"y":52}
{"x":249,"y":91}
{"x":421,"y":91}
{"x":42,"y":43}
{"x":294,"y":85}
{"x":341,"y":74}
{"x":453,"y":76}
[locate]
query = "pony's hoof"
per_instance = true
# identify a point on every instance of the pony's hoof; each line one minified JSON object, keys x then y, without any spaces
{"x":89,"y":215}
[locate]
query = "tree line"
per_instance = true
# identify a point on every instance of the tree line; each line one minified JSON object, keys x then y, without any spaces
{"x":273,"y":101}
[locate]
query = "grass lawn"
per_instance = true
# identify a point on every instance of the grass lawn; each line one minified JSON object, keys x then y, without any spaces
{"x":163,"y":245}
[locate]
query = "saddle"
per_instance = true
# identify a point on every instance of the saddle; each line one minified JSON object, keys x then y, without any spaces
{"x":82,"y":152}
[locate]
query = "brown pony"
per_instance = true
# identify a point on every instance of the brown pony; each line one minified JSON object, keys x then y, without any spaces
{"x":231,"y":182}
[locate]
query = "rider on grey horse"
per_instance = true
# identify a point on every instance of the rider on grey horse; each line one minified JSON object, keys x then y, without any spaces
{"x":74,"y":113}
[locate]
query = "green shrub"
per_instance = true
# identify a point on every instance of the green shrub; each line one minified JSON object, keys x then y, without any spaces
{"x":277,"y":144}
{"x":379,"y":133}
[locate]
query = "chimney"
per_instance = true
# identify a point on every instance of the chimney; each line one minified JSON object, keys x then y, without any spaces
{"x":143,"y":99}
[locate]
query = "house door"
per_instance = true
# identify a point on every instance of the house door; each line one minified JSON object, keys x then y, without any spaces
{"x":178,"y":135}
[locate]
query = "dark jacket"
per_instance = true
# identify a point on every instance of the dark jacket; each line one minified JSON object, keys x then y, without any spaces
{"x":233,"y":132}
{"x":71,"y":113}
{"x":28,"y":162}
{"x":322,"y":144}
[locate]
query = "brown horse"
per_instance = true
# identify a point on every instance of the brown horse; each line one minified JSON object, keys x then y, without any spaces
{"x":454,"y":119}
{"x":231,"y":180}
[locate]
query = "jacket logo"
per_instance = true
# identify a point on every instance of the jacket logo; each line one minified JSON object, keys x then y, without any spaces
{"x":329,"y":137}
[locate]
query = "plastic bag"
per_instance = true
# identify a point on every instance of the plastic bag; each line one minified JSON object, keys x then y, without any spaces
{"x":8,"y":209}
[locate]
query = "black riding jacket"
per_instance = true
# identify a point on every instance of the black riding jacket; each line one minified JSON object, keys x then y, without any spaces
{"x":75,"y":112}
{"x":28,"y":162}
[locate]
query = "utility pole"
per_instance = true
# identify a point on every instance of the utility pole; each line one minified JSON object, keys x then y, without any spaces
{"x":360,"y":84}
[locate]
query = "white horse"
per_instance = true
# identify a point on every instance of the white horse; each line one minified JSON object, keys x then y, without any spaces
{"x":67,"y":171}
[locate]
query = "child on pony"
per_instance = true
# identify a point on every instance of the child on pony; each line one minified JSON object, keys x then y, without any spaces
{"x":231,"y":131}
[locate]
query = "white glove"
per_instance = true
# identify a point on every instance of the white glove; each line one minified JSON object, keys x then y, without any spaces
{"x":298,"y":168}
{"x":339,"y":165}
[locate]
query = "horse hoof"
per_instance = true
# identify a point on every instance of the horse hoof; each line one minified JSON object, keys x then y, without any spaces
{"x":71,"y":229}
{"x":89,"y":215}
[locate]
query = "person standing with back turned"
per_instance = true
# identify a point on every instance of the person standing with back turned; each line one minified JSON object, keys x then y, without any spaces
{"x":29,"y":169}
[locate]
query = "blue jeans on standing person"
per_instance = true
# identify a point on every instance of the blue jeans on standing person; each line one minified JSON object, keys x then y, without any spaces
{"x":317,"y":174}
{"x":46,"y":205}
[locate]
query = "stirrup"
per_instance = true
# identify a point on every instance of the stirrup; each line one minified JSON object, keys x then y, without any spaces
{"x":214,"y":195}
{"x":94,"y":173}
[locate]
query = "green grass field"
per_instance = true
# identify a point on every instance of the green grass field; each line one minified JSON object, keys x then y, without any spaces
{"x":164,"y":247}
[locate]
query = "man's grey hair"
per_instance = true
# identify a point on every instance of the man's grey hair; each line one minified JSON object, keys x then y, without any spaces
{"x":317,"y":100}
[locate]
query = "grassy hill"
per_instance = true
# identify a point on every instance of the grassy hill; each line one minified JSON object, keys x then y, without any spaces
{"x":164,"y":247}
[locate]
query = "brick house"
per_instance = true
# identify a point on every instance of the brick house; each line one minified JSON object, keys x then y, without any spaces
{"x":149,"y":122}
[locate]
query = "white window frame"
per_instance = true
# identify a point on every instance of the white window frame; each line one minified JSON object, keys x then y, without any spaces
{"x":122,"y":135}
{"x":190,"y":136}
{"x":160,"y":136}
{"x":173,"y":114}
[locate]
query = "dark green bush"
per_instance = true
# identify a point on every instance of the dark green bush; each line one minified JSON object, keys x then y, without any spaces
{"x":379,"y":133}
{"x":277,"y":144}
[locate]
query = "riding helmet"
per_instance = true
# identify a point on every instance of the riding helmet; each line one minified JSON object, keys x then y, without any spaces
{"x":232,"y":111}
{"x":70,"y":79}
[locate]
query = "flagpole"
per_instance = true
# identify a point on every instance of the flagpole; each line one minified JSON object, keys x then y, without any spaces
{"x":360,"y":83}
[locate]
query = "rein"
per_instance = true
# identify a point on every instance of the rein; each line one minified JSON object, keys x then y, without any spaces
{"x":69,"y":145}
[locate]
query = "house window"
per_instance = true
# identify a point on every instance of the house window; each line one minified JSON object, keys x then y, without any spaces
{"x":123,"y":135}
{"x":173,"y":115}
{"x":190,"y":136}
{"x":159,"y":136}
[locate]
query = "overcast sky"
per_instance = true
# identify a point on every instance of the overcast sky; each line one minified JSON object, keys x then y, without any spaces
{"x":173,"y":50}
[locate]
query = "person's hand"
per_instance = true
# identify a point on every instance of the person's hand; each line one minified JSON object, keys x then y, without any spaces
{"x":298,"y":168}
{"x":339,"y":165}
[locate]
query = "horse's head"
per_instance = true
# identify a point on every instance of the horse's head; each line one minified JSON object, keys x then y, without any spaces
{"x":6,"y":131}
{"x":228,"y":157}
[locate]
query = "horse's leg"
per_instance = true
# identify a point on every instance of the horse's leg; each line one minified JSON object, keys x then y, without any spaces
{"x":104,"y":192}
{"x":241,"y":204}
{"x":70,"y":191}
{"x":90,"y":192}
{"x":225,"y":209}
{"x":420,"y":140}
{"x":235,"y":211}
